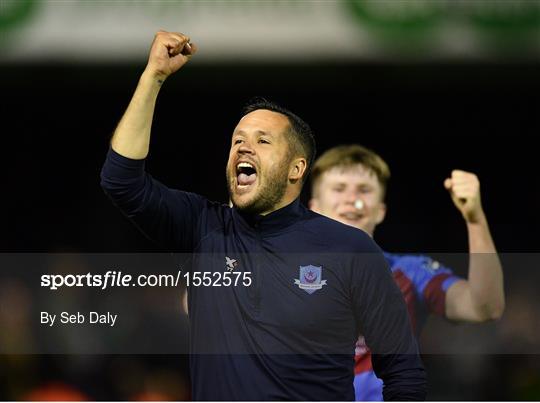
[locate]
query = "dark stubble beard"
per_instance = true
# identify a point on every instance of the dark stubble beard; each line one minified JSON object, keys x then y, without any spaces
{"x":269,"y":194}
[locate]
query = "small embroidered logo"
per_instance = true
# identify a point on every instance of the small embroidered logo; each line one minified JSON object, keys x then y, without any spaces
{"x":310,"y":279}
{"x":230,"y":263}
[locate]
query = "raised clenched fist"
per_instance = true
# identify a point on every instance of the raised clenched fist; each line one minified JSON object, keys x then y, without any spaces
{"x":464,"y":188}
{"x":169,"y":52}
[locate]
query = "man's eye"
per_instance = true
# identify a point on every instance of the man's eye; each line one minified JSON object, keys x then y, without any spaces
{"x":263,"y":141}
{"x":339,"y":190}
{"x":237,"y":141}
{"x":365,"y":190}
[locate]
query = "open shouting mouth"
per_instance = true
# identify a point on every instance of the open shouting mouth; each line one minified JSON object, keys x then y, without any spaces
{"x":246,"y":176}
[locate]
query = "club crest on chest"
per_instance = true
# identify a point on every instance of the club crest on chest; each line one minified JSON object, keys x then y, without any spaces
{"x":310,"y":279}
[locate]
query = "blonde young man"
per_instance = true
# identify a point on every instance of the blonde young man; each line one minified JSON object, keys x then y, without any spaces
{"x":349,"y":185}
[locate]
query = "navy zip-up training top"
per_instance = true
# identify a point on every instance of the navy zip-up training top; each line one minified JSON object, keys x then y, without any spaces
{"x":289,"y":335}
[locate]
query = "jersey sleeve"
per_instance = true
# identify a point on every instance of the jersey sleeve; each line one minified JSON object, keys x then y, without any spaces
{"x":168,"y":217}
{"x":383,"y":320}
{"x":431,"y":280}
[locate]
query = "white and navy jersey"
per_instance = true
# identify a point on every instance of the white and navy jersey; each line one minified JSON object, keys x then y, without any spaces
{"x":315,"y":285}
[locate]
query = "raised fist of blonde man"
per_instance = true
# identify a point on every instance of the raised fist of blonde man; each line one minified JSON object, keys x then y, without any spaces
{"x":464,"y":188}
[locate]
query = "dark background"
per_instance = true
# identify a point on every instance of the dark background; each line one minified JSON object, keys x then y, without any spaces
{"x":425,"y":120}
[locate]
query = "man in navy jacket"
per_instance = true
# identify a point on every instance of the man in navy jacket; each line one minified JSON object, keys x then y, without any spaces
{"x":289,"y":289}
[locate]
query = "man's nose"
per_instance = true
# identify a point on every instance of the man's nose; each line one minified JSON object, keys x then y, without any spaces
{"x":245,"y":148}
{"x":355,"y":199}
{"x":351,"y":196}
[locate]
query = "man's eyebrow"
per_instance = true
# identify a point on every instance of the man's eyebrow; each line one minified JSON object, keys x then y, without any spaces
{"x":259,"y":132}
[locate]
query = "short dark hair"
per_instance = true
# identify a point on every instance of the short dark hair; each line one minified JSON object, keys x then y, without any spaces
{"x":303,"y":141}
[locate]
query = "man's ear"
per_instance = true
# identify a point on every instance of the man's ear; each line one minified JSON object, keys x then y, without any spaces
{"x":297,"y":169}
{"x":381,"y":213}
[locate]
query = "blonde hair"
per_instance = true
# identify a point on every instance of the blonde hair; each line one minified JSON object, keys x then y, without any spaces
{"x":346,"y":156}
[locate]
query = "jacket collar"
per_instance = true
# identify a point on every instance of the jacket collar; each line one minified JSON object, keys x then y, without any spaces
{"x":275,"y":221}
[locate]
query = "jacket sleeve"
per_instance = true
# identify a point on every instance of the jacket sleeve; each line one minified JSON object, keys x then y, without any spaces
{"x":384,"y":322}
{"x":167,"y":216}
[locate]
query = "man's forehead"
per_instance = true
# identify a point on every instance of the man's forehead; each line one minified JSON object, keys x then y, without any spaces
{"x":263,"y":119}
